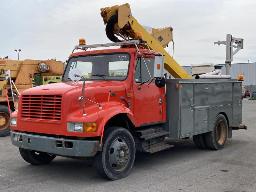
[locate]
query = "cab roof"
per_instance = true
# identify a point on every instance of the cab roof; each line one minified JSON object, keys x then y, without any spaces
{"x":130,"y":50}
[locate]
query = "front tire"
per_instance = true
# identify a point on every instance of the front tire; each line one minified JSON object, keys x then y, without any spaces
{"x":217,"y":138}
{"x":116,"y":159}
{"x":36,"y":158}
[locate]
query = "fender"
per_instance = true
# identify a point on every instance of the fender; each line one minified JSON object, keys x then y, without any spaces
{"x":111,"y":109}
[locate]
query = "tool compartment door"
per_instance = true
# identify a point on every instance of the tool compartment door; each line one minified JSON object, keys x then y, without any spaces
{"x":237,"y":104}
{"x":200,"y":119}
{"x":194,"y":109}
{"x":186,"y":110}
{"x":201,"y":107}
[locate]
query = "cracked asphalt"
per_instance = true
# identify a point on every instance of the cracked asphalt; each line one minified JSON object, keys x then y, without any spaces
{"x":183,"y":168}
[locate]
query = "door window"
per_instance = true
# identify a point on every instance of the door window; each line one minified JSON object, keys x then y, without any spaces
{"x":144,"y":70}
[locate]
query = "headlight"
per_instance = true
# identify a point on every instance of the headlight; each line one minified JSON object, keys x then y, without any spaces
{"x":81,"y":127}
{"x":43,"y":67}
{"x":75,"y":127}
{"x":13,"y":121}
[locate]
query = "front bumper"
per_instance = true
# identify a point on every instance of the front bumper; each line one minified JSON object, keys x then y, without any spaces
{"x":57,"y":146}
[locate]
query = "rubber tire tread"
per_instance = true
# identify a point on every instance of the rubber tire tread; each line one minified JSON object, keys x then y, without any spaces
{"x":210,"y":138}
{"x":110,"y":133}
{"x":199,"y":141}
{"x":30,"y":157}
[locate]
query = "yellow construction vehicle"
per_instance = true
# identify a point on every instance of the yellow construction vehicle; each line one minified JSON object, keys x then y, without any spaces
{"x":120,"y":22}
{"x":16,"y":76}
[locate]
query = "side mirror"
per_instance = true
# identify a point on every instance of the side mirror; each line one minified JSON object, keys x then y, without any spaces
{"x":159,"y":66}
{"x":159,"y":71}
{"x":160,"y":82}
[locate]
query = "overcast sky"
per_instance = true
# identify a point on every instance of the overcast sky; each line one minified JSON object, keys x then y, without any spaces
{"x":46,"y":29}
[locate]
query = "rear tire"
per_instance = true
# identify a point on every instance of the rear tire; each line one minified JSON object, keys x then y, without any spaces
{"x":116,"y":159}
{"x":4,"y":121}
{"x":36,"y":158}
{"x":199,"y":141}
{"x":217,"y":138}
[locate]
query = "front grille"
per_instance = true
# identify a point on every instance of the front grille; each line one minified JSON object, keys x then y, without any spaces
{"x":45,"y":107}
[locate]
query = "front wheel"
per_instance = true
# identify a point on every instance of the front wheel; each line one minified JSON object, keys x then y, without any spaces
{"x":36,"y":158}
{"x":116,"y":159}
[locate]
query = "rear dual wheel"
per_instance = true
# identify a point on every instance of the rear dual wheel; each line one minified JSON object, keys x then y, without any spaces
{"x":199,"y":141}
{"x":215,"y":139}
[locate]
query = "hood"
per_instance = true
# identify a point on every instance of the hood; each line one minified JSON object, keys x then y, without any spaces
{"x":98,"y":90}
{"x":55,"y":88}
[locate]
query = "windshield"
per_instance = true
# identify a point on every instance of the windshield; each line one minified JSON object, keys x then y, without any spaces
{"x":94,"y":67}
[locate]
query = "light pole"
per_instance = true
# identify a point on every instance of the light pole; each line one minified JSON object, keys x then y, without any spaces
{"x":18,"y":52}
{"x":231,"y":42}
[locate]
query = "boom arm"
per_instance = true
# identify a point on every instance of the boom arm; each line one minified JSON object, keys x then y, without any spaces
{"x":119,"y":21}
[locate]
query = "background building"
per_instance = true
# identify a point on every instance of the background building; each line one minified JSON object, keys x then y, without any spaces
{"x":247,"y":69}
{"x":188,"y":68}
{"x":199,"y":69}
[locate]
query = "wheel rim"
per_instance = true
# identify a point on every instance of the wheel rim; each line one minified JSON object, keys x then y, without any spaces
{"x":4,"y":120}
{"x":221,"y":133}
{"x":119,"y":154}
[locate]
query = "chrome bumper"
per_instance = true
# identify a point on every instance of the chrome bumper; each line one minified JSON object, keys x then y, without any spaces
{"x":57,"y":146}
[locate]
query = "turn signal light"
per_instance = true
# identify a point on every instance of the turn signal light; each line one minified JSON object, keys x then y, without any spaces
{"x":90,"y":127}
{"x":82,"y":42}
{"x":240,"y":77}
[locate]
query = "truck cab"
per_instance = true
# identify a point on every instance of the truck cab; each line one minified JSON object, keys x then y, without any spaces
{"x":100,"y":90}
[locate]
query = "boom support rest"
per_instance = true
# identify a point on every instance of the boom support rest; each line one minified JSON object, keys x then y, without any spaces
{"x":119,"y":21}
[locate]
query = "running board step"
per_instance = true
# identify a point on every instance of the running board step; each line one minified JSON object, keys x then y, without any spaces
{"x":158,"y":147}
{"x":152,"y":133}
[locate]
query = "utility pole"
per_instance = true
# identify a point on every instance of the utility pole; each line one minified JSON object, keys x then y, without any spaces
{"x":18,"y":52}
{"x":231,"y":42}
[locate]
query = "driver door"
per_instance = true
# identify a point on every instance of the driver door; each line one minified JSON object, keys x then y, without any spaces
{"x":148,"y":98}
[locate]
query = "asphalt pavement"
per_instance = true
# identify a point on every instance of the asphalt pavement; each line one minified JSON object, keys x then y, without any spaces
{"x":183,"y":168}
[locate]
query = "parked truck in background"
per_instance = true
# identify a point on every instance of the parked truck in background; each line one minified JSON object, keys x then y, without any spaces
{"x":24,"y":74}
{"x":114,"y":100}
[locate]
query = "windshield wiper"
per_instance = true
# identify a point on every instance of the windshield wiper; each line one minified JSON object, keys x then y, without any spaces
{"x":99,"y":75}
